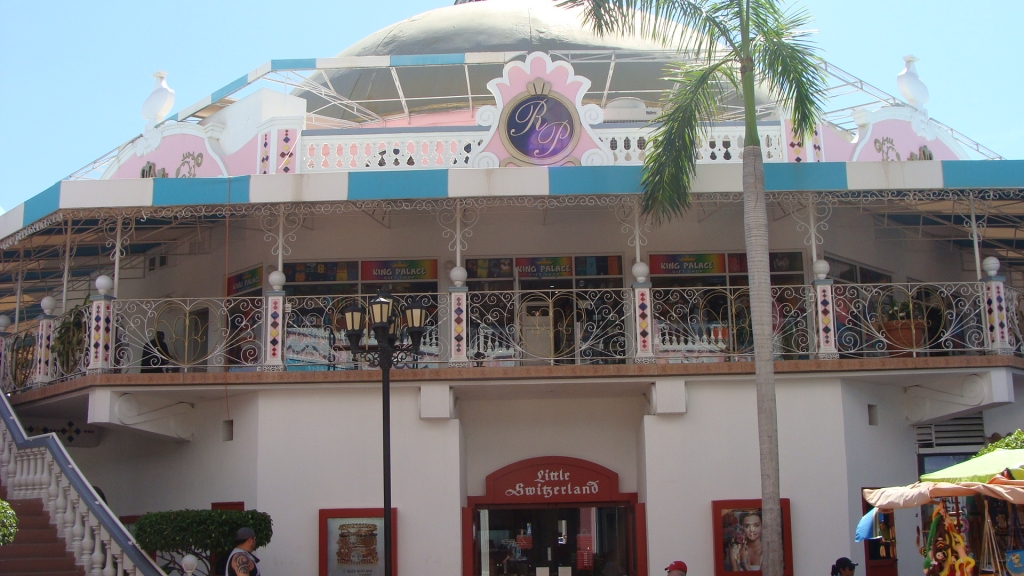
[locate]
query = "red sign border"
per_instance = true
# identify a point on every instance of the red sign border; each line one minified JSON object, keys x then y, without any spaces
{"x":493,"y":495}
{"x":638,"y":527}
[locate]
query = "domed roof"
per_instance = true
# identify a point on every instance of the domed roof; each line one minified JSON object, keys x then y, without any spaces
{"x":508,"y":26}
{"x":492,"y":26}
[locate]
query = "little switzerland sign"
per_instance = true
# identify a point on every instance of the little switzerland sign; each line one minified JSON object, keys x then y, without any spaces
{"x":552,"y":479}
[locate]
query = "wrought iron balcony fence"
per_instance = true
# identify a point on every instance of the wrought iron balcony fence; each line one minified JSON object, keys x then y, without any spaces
{"x":517,"y":328}
{"x":714,"y":324}
{"x":317,"y":333}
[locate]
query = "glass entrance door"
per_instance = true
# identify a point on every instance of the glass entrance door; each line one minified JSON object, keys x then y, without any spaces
{"x":554,"y":541}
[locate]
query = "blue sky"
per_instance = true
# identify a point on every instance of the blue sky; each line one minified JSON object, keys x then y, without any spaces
{"x":74,"y":76}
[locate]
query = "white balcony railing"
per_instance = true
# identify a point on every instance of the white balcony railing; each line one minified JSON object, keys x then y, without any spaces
{"x":348,"y":150}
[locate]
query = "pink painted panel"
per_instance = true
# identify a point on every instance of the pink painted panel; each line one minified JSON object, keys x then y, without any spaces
{"x":172,"y":156}
{"x":896,"y":140}
{"x":243,"y":160}
{"x":834,"y":146}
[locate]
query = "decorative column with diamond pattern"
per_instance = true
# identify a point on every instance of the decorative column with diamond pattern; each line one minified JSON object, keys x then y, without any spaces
{"x":642,"y":311}
{"x":43,"y":372}
{"x":273,"y":345}
{"x":996,"y":309}
{"x":101,"y":332}
{"x":460,"y":326}
{"x":825,"y":317}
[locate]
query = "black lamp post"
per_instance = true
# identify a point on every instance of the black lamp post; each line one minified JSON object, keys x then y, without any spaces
{"x":385,"y":322}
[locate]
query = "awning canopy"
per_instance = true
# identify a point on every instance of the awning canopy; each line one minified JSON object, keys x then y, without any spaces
{"x":921,"y":493}
{"x":981,"y":469}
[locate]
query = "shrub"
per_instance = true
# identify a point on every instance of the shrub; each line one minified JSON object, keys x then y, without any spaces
{"x":1014,"y":441}
{"x":202,"y":533}
{"x":8,"y":523}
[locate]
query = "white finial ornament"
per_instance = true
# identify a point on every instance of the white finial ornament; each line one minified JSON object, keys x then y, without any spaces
{"x":990,"y":265}
{"x":104,"y":284}
{"x":159,"y":102}
{"x":910,"y":85}
{"x":458,"y":275}
{"x":277,"y":280}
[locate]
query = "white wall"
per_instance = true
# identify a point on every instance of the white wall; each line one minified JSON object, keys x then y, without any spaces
{"x":322,"y":449}
{"x":531,"y":231}
{"x":1007,"y":419}
{"x":711,"y":453}
{"x":142,"y":474}
{"x":880,"y":456}
{"x":500,"y":432}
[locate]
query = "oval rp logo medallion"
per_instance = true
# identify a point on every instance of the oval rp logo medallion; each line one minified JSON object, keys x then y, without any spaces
{"x":540,"y":128}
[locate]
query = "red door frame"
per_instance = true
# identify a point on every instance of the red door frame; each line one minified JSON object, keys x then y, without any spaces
{"x":636,"y":521}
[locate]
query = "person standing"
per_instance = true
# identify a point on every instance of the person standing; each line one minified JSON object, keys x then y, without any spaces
{"x":677,"y":568}
{"x":844,"y":567}
{"x":241,"y":561}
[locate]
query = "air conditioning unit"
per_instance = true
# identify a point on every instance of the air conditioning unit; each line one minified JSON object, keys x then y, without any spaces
{"x":629,"y":110}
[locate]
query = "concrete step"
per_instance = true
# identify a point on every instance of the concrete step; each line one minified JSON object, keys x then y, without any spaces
{"x":36,"y":536}
{"x":32,"y":507}
{"x":8,"y":565}
{"x":33,"y":550}
{"x":33,"y":522}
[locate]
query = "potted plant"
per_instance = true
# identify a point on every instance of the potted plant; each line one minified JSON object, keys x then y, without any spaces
{"x":68,"y":344}
{"x":904,"y":328}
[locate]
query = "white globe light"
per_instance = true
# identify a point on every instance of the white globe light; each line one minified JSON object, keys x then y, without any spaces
{"x":821,"y":268}
{"x":48,"y":304}
{"x":990,"y":265}
{"x":5,"y":321}
{"x":458,"y":275}
{"x":641,"y":271}
{"x":189,"y":563}
{"x":104,"y":284}
{"x":277,"y":280}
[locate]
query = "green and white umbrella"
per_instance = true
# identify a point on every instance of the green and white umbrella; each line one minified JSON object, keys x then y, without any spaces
{"x":982,"y":468}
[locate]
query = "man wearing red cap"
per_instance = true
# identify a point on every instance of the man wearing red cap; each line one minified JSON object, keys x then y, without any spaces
{"x":677,"y":568}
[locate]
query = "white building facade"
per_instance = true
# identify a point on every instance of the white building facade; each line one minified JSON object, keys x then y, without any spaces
{"x":582,"y":400}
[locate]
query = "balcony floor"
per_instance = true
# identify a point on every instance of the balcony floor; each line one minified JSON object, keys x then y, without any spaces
{"x":509,"y":374}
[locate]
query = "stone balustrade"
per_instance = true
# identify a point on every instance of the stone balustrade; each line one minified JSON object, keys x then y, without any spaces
{"x":396,"y":149}
{"x":40,"y":468}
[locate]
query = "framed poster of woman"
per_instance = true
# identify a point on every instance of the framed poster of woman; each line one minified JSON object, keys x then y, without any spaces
{"x":737,"y":530}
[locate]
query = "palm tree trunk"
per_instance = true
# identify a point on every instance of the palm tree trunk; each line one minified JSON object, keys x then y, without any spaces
{"x":755,"y":225}
{"x":755,"y":228}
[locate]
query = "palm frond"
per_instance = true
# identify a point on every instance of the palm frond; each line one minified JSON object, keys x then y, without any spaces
{"x":673,"y":151}
{"x":788,"y":63}
{"x":686,"y":25}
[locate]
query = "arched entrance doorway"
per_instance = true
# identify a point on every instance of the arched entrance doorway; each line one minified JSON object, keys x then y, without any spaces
{"x":554,"y":516}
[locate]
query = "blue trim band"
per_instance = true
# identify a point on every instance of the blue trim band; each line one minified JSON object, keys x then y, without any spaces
{"x":805,"y":176}
{"x":428,"y":59}
{"x":983,"y":173}
{"x":293,"y":64}
{"x":399,"y":184}
{"x":594,"y":179}
{"x":237,"y":84}
{"x":41,"y":205}
{"x":188,"y":191}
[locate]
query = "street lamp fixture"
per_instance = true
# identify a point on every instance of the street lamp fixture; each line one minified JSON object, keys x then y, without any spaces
{"x":385,"y":321}
{"x":354,"y":317}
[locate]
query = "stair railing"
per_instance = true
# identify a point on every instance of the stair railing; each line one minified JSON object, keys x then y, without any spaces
{"x":40,"y":467}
